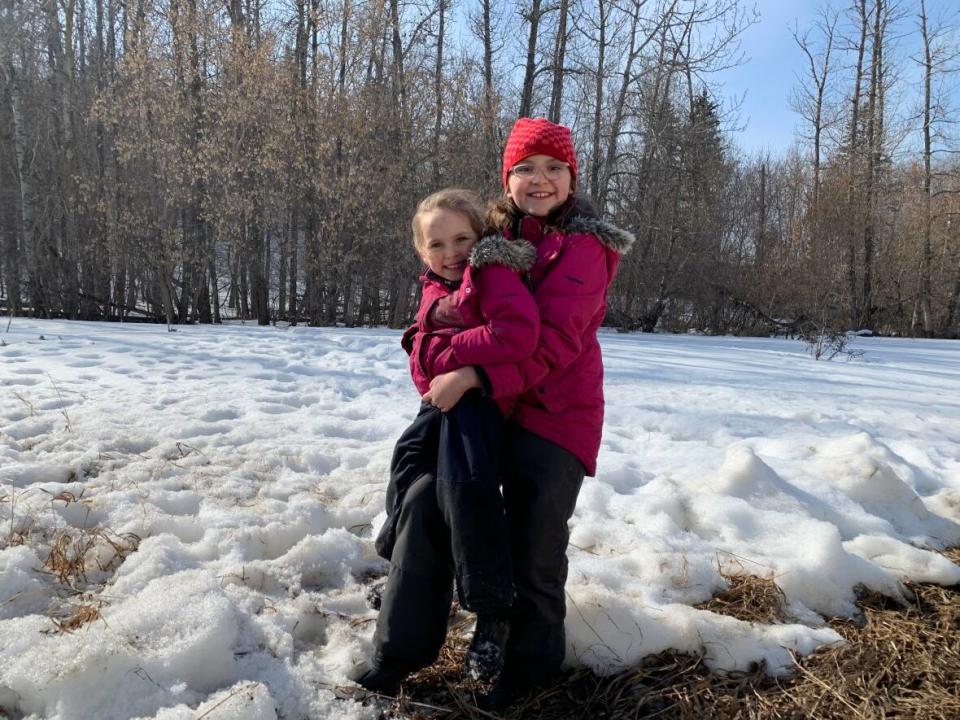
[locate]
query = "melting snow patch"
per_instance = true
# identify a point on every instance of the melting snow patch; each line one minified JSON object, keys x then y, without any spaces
{"x":252,"y":464}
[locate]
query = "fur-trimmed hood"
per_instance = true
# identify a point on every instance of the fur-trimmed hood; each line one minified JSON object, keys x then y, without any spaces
{"x":609,"y":234}
{"x":575,"y":216}
{"x":517,"y":255}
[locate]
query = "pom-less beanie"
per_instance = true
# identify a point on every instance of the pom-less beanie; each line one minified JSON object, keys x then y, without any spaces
{"x":538,"y":136}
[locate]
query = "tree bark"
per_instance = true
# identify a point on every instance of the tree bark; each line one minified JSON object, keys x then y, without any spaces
{"x":294,"y":268}
{"x":556,"y":95}
{"x":526,"y":95}
{"x":595,"y":155}
{"x":490,"y":149}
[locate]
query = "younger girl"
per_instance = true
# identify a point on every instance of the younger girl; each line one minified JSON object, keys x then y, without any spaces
{"x":553,"y":436}
{"x":475,"y":310}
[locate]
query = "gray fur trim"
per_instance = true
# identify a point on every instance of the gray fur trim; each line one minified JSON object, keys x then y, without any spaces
{"x":517,"y":255}
{"x":609,"y":234}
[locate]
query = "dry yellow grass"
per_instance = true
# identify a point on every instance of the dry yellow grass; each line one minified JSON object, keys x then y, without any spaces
{"x":82,"y":615}
{"x":898,"y":663}
{"x":72,"y":548}
{"x":750,"y":599}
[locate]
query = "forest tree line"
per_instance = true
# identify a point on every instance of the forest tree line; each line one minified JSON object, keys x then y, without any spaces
{"x":197,"y":160}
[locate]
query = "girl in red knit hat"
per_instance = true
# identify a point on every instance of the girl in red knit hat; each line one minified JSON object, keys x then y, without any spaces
{"x":553,"y":436}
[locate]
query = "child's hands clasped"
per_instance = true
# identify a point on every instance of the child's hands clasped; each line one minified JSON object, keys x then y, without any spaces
{"x":447,"y":389}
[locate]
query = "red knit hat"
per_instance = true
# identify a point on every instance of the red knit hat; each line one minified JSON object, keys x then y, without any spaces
{"x":538,"y":136}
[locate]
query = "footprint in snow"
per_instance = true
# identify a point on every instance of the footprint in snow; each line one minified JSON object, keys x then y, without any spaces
{"x":275,"y":409}
{"x":192,"y":431}
{"x":21,"y":382}
{"x":217,"y":414}
{"x":29,"y":428}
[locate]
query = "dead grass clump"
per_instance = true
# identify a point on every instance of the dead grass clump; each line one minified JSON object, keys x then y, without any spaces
{"x":14,"y":538}
{"x":749,"y":598}
{"x":898,"y":663}
{"x":16,"y":530}
{"x":82,"y":615}
{"x":71,"y":549}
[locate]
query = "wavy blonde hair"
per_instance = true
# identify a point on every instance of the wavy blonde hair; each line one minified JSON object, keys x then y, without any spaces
{"x":465,"y":202}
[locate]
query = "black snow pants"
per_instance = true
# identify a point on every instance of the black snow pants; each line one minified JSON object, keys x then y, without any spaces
{"x":541,"y":482}
{"x":460,"y":449}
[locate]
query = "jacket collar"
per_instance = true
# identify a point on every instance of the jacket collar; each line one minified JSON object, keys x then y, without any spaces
{"x":429,"y":275}
{"x":578,"y":217}
{"x":516,"y":254}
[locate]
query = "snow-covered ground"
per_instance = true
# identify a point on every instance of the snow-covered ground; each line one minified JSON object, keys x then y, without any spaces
{"x":251,"y":464}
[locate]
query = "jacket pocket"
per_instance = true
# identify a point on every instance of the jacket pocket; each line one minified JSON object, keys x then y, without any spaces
{"x":551,"y":397}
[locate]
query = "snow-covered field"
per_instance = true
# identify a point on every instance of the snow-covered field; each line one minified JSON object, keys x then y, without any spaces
{"x":251,"y":464}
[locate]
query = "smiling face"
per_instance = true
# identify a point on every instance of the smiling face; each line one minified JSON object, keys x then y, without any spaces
{"x":539,"y":184}
{"x":446,"y":238}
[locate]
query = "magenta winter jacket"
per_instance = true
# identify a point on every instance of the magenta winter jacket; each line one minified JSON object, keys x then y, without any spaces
{"x":498,"y":317}
{"x":561,"y":384}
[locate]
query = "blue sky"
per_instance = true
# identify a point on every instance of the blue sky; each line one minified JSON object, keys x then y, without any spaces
{"x":767,"y":77}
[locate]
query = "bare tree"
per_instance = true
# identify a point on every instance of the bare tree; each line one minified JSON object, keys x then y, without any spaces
{"x":853,"y":155}
{"x":938,"y":59}
{"x":810,"y":99}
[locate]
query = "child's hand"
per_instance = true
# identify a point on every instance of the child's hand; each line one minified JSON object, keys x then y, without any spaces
{"x":447,"y":389}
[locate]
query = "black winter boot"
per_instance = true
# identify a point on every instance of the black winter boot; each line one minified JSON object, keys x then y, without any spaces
{"x":384,"y":678}
{"x":484,"y":659}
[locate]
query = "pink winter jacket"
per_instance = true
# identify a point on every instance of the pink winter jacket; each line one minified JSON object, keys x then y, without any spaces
{"x":498,"y":321}
{"x":561,"y":384}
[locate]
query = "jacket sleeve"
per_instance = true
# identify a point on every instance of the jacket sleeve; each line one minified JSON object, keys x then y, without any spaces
{"x":409,"y":337}
{"x":569,"y":297}
{"x":511,"y":320}
{"x":429,"y":298}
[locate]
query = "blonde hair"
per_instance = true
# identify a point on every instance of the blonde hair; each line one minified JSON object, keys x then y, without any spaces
{"x":465,"y":202}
